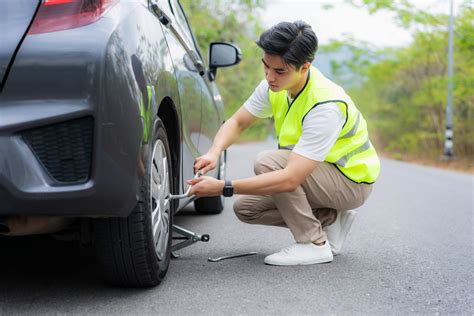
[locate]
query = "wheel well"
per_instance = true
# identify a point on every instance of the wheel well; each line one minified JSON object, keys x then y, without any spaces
{"x":167,"y":114}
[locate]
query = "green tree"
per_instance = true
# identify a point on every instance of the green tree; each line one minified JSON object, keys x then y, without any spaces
{"x":403,"y":91}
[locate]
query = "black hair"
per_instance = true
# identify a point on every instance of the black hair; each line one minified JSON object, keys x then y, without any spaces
{"x":295,"y":42}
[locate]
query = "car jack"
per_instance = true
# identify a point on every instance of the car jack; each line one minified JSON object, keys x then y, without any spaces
{"x":188,"y":238}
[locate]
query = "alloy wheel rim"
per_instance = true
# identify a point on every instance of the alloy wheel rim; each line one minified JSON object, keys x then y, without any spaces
{"x":160,"y":204}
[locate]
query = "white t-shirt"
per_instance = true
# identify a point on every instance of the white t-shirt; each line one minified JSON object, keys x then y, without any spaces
{"x":321,"y":126}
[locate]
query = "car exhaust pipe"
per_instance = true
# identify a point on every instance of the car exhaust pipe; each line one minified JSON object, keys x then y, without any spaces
{"x":4,"y":229}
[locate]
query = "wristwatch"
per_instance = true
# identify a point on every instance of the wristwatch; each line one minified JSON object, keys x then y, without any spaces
{"x":228,"y":189}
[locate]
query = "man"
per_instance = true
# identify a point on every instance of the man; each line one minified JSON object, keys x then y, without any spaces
{"x":325,"y":164}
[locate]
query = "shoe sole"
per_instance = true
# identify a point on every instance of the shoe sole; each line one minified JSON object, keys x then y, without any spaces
{"x":346,"y":222}
{"x":323,"y":260}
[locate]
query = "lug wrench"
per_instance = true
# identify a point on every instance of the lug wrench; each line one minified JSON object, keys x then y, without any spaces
{"x":231,"y":256}
{"x":186,"y":194}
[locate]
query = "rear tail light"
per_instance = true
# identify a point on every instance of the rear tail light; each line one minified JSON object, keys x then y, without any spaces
{"x":58,"y":15}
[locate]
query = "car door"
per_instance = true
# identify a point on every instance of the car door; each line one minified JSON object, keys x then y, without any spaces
{"x":210,"y":98}
{"x":211,"y":104}
{"x":187,"y":69}
{"x":212,"y":116}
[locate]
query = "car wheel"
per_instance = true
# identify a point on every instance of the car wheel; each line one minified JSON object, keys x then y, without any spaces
{"x":214,"y":204}
{"x":135,"y":251}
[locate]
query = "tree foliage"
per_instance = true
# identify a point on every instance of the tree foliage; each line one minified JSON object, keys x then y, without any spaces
{"x":404,"y":91}
{"x":407,"y":14}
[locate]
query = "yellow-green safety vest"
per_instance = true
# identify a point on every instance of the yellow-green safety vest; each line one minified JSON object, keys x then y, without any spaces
{"x":353,"y":153}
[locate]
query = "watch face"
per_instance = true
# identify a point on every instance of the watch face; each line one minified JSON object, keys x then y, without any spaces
{"x":228,"y":189}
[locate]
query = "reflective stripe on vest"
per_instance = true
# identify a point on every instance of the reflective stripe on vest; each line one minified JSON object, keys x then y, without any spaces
{"x":343,"y":160}
{"x":353,"y":129}
{"x":353,"y":154}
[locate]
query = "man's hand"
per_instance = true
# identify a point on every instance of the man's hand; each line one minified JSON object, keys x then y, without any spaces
{"x":206,"y":162}
{"x":206,"y":186}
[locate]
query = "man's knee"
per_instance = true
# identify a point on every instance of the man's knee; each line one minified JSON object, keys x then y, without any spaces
{"x":270,"y":160}
{"x":238,"y":204}
{"x":241,"y":209}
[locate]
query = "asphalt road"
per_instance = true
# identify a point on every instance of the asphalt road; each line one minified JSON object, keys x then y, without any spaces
{"x":410,"y":251}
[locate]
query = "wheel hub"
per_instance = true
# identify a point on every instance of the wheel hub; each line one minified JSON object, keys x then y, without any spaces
{"x":159,"y":190}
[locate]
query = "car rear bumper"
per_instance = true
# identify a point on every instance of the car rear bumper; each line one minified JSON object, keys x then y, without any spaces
{"x":69,"y":163}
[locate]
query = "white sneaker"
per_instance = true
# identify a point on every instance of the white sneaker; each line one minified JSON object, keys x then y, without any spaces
{"x":301,"y":254}
{"x":337,"y":231}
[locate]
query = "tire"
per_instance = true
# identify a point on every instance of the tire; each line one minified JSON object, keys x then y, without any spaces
{"x":135,"y":251}
{"x":213,"y":204}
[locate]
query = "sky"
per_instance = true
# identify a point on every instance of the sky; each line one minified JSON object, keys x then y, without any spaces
{"x":379,"y":29}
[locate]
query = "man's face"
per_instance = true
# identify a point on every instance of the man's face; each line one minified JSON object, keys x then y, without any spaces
{"x":279,"y":75}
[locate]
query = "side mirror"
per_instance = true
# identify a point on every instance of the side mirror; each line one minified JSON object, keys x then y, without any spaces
{"x":223,"y":55}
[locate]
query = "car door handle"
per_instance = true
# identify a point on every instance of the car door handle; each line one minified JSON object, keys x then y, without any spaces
{"x":162,"y":16}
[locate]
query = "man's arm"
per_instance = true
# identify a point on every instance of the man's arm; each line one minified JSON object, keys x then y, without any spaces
{"x":285,"y":180}
{"x":225,"y":137}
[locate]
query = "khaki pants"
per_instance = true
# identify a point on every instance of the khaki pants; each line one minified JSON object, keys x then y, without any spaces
{"x":310,"y":207}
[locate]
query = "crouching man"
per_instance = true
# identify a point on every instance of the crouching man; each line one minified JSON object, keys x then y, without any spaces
{"x":325,"y":164}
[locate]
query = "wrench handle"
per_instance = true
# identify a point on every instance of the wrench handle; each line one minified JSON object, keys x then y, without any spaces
{"x":232,"y":256}
{"x":186,"y":194}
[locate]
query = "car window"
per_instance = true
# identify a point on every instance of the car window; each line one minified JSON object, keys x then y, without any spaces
{"x":182,"y":24}
{"x":165,"y":6}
